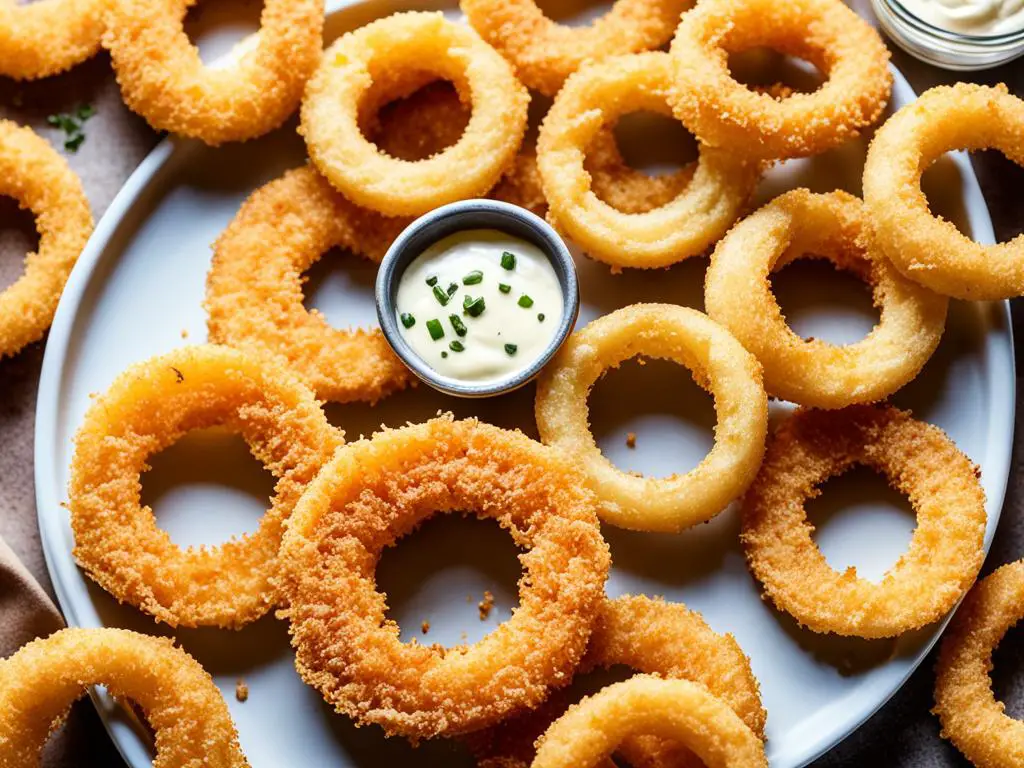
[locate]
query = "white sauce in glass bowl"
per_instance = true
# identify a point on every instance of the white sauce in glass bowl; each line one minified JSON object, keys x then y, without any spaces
{"x":985,"y":18}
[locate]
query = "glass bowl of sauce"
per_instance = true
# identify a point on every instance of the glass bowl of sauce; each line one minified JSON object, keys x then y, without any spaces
{"x":955,"y":34}
{"x":476,"y":297}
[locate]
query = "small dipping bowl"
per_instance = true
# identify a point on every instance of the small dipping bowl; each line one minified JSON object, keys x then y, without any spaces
{"x":458,"y":217}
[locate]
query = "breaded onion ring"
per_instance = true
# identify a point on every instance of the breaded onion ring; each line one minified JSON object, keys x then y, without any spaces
{"x":163,"y":79}
{"x":835,"y":226}
{"x":917,"y":459}
{"x":672,"y":710}
{"x":594,"y":98}
{"x":971,"y":717}
{"x":827,"y":33}
{"x":40,"y":180}
{"x":180,"y":701}
{"x":374,"y":492}
{"x":925,"y":248}
{"x":412,"y":41}
{"x":48,"y":37}
{"x":650,"y":636}
{"x":544,"y":53}
{"x":719,"y":363}
{"x":148,"y":408}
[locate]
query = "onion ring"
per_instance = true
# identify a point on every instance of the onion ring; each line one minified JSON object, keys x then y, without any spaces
{"x":835,"y":226}
{"x":720,"y":364}
{"x":827,"y":33}
{"x":40,"y":180}
{"x":672,"y":710}
{"x":971,"y":717}
{"x":919,"y":460}
{"x":338,"y":148}
{"x":544,"y":53}
{"x":163,"y":79}
{"x":40,"y":682}
{"x":48,"y":37}
{"x":649,"y":636}
{"x":927,"y":249}
{"x":149,"y":407}
{"x":375,"y":491}
{"x":695,"y":219}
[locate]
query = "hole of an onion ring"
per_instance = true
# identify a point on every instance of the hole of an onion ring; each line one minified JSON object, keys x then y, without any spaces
{"x":654,"y":144}
{"x":207,"y":487}
{"x":18,"y":236}
{"x":943,"y":184}
{"x":673,"y":422}
{"x":573,"y":13}
{"x":340,"y":287}
{"x":440,"y":573}
{"x":1008,"y":675}
{"x":859,"y":506}
{"x":419,"y":125}
{"x":822,"y":302}
{"x":760,"y":68}
{"x":216,"y":28}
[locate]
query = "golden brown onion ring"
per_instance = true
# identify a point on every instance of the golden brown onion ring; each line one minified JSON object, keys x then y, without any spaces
{"x":917,"y":459}
{"x":927,"y":249}
{"x":719,"y":363}
{"x":835,"y":226}
{"x":180,"y":701}
{"x":148,"y":408}
{"x":374,"y":492}
{"x":48,"y":37}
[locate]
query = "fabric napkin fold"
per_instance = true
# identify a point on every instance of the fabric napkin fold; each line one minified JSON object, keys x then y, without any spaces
{"x":26,"y":612}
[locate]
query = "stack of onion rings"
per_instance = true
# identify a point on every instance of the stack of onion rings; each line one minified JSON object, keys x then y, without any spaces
{"x":48,"y":37}
{"x":813,"y":372}
{"x":927,"y":249}
{"x":149,"y":407}
{"x":918,"y":459}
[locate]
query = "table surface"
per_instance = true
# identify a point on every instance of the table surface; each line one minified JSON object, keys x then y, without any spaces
{"x":903,"y":733}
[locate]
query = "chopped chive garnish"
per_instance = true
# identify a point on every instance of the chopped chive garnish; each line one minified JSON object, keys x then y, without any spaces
{"x":440,"y":295}
{"x":525,"y":301}
{"x":452,"y":288}
{"x":504,"y":287}
{"x":508,"y":260}
{"x":432,"y":281}
{"x":540,"y":318}
{"x":443,"y":353}
{"x":458,"y":325}
{"x":408,"y":320}
{"x":474,"y":307}
{"x":435,"y":329}
{"x":457,"y":346}
{"x":473,"y":278}
{"x":511,"y":349}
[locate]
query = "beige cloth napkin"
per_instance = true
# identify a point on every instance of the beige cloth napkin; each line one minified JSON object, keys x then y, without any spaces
{"x":26,"y":612}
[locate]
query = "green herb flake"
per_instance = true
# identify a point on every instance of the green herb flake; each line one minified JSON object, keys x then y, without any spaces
{"x":511,"y":349}
{"x":452,"y":288}
{"x":73,"y":125}
{"x":444,"y":354}
{"x":457,"y":346}
{"x":435,"y":329}
{"x":474,"y":307}
{"x":504,"y":287}
{"x":408,"y":320}
{"x":540,"y":318}
{"x":440,"y":295}
{"x":458,"y":325}
{"x":473,"y":278}
{"x":508,"y":260}
{"x":525,"y":301}
{"x":432,"y":281}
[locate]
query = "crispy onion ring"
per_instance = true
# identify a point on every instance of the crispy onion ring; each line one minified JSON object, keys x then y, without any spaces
{"x":696,"y":218}
{"x":649,"y":636}
{"x":925,"y":248}
{"x":971,"y":717}
{"x":835,"y":226}
{"x":827,"y":33}
{"x":148,"y":408}
{"x":40,"y":180}
{"x":163,"y":79}
{"x":918,"y":460}
{"x":720,"y":364}
{"x":48,"y":37}
{"x":672,"y":710}
{"x":487,"y":148}
{"x":40,"y":682}
{"x":544,"y":53}
{"x":374,"y":492}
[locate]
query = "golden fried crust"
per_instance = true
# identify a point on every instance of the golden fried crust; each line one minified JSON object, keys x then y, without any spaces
{"x":148,"y":408}
{"x":39,"y":683}
{"x":376,"y":491}
{"x":920,"y":461}
{"x":46,"y":38}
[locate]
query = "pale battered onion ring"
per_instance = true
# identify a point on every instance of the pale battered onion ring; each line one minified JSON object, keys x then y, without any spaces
{"x":592,"y":99}
{"x":673,"y":710}
{"x":971,"y":717}
{"x":925,"y":248}
{"x":375,"y":491}
{"x":163,"y":79}
{"x":180,"y":701}
{"x":414,"y":40}
{"x":40,"y":180}
{"x":48,"y":37}
{"x":648,"y":636}
{"x":148,"y":408}
{"x":544,"y":53}
{"x":917,"y":459}
{"x":827,"y":33}
{"x":813,"y":372}
{"x":719,"y":363}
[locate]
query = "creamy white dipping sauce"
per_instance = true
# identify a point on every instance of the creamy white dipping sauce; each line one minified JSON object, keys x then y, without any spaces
{"x":502,"y":305}
{"x":970,"y":17}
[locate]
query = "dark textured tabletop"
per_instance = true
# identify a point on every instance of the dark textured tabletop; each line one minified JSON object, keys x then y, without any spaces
{"x":902,"y":733}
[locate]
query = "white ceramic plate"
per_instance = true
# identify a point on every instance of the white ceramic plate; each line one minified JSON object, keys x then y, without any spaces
{"x":139,"y":286}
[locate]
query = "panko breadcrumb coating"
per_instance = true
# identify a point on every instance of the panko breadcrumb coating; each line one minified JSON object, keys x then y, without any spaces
{"x":49,"y":36}
{"x":376,"y":491}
